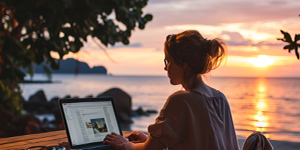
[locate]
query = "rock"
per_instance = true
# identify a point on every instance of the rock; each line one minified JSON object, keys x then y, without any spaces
{"x":52,"y":104}
{"x":122,"y":102}
{"x":36,"y":107}
{"x":151,"y":111}
{"x":38,"y":97}
{"x":89,"y":96}
{"x":58,"y":118}
{"x":37,"y":103}
{"x":140,"y":111}
{"x":56,"y":112}
{"x":22,"y":100}
{"x":54,"y":100}
{"x":67,"y":96}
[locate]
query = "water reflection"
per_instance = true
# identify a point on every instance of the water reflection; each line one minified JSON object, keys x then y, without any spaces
{"x":261,"y":106}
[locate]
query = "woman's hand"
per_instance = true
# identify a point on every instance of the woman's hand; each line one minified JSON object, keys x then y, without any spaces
{"x":117,"y":141}
{"x":137,"y":137}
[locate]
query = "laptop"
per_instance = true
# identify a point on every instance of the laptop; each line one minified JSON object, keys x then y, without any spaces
{"x":88,"y":120}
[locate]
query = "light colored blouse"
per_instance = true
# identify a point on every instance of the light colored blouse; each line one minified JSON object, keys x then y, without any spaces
{"x":194,"y":121}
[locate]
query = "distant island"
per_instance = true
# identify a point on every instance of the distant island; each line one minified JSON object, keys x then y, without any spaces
{"x":71,"y":66}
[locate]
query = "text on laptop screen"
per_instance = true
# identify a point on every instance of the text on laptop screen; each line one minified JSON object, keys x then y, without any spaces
{"x":90,"y":122}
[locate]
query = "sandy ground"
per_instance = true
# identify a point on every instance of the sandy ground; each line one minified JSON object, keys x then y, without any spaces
{"x":278,"y":145}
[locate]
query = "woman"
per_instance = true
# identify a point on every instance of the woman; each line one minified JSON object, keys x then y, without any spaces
{"x":197,"y":118}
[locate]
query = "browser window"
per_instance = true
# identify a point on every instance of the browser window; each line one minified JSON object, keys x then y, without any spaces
{"x":90,"y":122}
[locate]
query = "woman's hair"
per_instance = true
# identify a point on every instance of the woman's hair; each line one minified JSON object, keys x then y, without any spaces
{"x":200,"y":55}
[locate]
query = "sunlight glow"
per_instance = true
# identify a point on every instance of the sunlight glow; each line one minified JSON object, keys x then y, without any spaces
{"x":261,"y":119}
{"x":254,"y":35}
{"x":261,"y":61}
{"x":261,"y":89}
{"x":261,"y":124}
{"x":261,"y":105}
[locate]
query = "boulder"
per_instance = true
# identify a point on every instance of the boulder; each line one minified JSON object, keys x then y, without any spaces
{"x":122,"y":102}
{"x":140,"y":112}
{"x":52,"y":104}
{"x":37,"y":103}
{"x":38,"y":97}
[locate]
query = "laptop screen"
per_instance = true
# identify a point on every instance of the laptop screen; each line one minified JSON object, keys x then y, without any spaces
{"x":89,"y":120}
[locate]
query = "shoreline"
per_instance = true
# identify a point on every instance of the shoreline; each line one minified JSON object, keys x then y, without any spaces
{"x":39,"y":81}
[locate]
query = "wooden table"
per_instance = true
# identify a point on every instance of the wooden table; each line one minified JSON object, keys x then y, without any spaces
{"x":41,"y":139}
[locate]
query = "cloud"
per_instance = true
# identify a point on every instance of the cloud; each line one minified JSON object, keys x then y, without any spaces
{"x":219,"y":12}
{"x":236,"y":39}
{"x":120,"y":45}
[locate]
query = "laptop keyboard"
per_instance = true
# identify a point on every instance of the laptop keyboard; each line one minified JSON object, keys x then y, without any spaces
{"x":104,"y":147}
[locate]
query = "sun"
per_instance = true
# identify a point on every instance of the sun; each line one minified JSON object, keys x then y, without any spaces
{"x":262,"y":61}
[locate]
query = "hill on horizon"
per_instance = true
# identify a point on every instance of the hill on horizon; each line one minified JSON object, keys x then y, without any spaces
{"x":72,"y":66}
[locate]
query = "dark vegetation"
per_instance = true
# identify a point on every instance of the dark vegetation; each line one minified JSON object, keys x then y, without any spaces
{"x":31,"y":31}
{"x":292,"y":44}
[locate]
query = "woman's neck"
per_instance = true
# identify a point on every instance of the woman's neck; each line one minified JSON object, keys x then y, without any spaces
{"x":191,"y":85}
{"x":201,"y":87}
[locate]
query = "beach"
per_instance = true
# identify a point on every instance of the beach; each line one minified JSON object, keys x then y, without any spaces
{"x":269,"y":105}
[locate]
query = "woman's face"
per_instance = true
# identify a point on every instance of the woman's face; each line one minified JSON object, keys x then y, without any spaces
{"x":175,"y":72}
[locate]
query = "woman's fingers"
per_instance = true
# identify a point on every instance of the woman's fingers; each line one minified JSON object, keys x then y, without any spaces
{"x":133,"y":135}
{"x":115,"y":140}
{"x":113,"y":133}
{"x":137,"y":137}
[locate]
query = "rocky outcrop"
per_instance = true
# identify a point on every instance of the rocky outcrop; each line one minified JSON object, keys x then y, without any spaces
{"x":11,"y":125}
{"x":39,"y":104}
{"x":122,"y":102}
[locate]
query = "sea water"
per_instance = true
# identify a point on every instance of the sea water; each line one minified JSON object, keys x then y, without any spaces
{"x":269,"y":105}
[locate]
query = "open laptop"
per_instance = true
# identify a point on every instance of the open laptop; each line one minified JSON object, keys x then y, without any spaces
{"x":88,"y":121}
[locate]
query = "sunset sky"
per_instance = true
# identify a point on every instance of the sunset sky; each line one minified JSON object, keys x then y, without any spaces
{"x":249,"y":27}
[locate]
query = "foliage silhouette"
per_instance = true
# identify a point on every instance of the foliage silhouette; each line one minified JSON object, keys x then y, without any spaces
{"x":31,"y":31}
{"x":292,"y":45}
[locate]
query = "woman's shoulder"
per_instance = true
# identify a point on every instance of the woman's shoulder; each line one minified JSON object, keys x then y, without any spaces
{"x":188,"y":96}
{"x":182,"y":94}
{"x":179,"y":94}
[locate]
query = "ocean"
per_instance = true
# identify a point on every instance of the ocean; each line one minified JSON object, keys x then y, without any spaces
{"x":269,"y":105}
